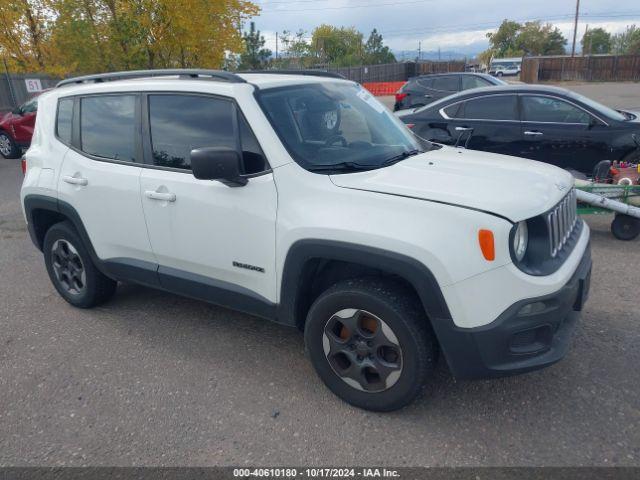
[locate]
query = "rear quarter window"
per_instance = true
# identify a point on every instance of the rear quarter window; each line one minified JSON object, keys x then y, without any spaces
{"x":64,"y":119}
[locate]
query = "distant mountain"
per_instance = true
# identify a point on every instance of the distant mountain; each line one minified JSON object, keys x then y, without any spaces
{"x":468,"y":51}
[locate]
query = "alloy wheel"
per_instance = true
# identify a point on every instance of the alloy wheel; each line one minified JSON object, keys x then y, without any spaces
{"x":362,"y":350}
{"x":5,"y":145}
{"x":68,"y":267}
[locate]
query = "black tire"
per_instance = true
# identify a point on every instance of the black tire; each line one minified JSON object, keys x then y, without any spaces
{"x":625,"y":227}
{"x":402,"y":312}
{"x":8,"y":148}
{"x":95,"y":288}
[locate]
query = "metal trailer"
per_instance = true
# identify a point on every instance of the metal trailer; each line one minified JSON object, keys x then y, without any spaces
{"x":622,"y":200}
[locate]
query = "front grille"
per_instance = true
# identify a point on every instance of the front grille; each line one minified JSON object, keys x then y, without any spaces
{"x":561,"y":220}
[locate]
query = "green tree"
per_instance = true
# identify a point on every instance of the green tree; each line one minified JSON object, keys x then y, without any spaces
{"x":295,"y":50}
{"x":627,"y":42}
{"x":534,"y":38}
{"x":255,"y":56}
{"x":338,"y":46}
{"x":596,"y":40}
{"x":513,"y":39}
{"x":502,"y":42}
{"x":375,"y":51}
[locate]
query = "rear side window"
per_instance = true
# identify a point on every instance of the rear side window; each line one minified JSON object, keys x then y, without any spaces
{"x":453,"y":111}
{"x":472,"y":81}
{"x":447,"y":84}
{"x":495,"y":107}
{"x":63,"y":121}
{"x":108,"y":126}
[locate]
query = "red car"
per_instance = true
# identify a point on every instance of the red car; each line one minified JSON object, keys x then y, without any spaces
{"x":16,"y":128}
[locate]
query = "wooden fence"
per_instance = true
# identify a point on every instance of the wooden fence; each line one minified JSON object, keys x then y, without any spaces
{"x":396,"y":72}
{"x":592,"y":68}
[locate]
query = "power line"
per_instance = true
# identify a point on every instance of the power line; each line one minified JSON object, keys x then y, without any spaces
{"x":282,"y":10}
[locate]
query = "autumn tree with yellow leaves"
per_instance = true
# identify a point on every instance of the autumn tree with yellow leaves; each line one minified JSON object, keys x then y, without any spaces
{"x":61,"y":37}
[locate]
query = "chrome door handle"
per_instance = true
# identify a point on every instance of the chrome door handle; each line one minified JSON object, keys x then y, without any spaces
{"x":533,"y":133}
{"x":463,"y":129}
{"x":75,"y":180}
{"x":166,"y":197}
{"x":428,"y":96}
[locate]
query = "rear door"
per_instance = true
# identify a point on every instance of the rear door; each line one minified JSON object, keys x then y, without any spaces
{"x":100,"y":176}
{"x":560,"y":132}
{"x":489,"y":123}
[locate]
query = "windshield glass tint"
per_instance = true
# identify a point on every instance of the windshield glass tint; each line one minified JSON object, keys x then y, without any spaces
{"x":335,"y":123}
{"x":598,"y":107}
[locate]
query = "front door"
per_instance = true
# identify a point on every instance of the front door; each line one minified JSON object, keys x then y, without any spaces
{"x":211,"y":240}
{"x":561,"y":133}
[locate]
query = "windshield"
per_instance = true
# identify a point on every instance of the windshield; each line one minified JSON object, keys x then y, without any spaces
{"x":598,"y":107}
{"x":338,"y":126}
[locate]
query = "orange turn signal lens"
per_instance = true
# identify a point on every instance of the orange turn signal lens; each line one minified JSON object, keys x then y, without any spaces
{"x":487,"y":244}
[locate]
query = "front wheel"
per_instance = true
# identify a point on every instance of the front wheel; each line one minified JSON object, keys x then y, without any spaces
{"x":8,"y":148}
{"x":370,"y":343}
{"x":625,"y":227}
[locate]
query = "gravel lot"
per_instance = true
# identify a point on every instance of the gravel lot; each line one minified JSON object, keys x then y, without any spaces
{"x":155,"y":379}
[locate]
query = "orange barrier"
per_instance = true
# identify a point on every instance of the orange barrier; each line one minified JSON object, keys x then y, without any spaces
{"x":383,"y":88}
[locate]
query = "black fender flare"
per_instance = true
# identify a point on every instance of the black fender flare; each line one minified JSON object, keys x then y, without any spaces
{"x":411,"y":270}
{"x":34,"y":202}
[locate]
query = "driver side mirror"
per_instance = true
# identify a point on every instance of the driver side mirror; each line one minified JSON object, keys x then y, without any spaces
{"x":217,"y":163}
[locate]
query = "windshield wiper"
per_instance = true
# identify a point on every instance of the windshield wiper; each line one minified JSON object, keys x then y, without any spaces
{"x":342,"y":166}
{"x":399,"y":158}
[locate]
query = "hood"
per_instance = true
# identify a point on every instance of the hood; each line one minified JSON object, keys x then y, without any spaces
{"x":510,"y":187}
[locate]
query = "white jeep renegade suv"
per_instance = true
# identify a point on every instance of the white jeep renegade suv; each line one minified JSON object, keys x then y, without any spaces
{"x":301,"y":199}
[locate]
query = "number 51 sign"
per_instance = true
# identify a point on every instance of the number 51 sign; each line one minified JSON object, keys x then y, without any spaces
{"x":33,"y":85}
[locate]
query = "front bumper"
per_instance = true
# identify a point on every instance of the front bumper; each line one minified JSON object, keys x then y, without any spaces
{"x":531,"y":334}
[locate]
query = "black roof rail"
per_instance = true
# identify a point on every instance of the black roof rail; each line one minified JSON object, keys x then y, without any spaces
{"x":311,"y":73}
{"x":181,"y":72}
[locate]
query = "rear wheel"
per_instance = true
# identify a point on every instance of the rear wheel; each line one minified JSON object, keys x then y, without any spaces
{"x":8,"y":148}
{"x":625,"y":227}
{"x":71,"y":269}
{"x":370,"y":343}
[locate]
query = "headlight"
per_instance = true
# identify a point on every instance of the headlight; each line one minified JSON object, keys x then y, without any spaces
{"x":520,"y":241}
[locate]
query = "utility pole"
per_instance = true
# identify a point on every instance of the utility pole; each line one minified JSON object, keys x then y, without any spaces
{"x":575,"y":28}
{"x":586,"y":49}
{"x":9,"y":82}
{"x":276,"y":45}
{"x":419,"y":50}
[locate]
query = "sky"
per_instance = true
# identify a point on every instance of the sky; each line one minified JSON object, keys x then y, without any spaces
{"x":449,"y":25}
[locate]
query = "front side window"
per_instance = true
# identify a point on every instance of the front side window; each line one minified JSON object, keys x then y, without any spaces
{"x":337,"y":125}
{"x":551,"y":110}
{"x":108,"y":126}
{"x":181,"y":123}
{"x":494,"y":107}
{"x":63,"y":121}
